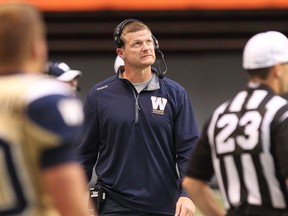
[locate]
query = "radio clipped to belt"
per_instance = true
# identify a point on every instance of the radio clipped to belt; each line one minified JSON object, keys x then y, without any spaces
{"x":97,"y":196}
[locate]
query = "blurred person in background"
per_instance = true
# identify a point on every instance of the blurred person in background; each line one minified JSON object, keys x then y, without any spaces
{"x":118,"y":63}
{"x":64,"y":73}
{"x":40,"y":121}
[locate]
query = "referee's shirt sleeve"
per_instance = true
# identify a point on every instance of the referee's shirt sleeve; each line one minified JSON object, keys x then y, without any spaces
{"x":280,"y":143}
{"x":200,"y":163}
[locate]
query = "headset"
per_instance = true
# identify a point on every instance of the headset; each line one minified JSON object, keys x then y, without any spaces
{"x":119,"y":43}
{"x":119,"y":29}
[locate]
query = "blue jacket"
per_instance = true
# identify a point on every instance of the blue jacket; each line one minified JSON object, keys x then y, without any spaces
{"x":140,"y":138}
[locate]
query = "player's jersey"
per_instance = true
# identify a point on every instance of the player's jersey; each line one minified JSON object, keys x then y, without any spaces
{"x":247,"y":143}
{"x":38,"y":117}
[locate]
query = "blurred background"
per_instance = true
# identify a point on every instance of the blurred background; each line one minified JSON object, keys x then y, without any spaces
{"x":202,"y":40}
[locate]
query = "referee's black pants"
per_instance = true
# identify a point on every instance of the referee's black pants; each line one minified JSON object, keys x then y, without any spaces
{"x":248,"y":210}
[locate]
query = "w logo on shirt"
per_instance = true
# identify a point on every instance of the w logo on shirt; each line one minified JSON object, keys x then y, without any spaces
{"x":158,"y":105}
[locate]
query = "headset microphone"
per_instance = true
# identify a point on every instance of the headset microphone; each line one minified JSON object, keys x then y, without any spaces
{"x":157,"y":50}
{"x":161,"y":74}
{"x":119,"y":43}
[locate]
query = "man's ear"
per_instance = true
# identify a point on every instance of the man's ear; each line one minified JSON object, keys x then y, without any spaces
{"x":277,"y":70}
{"x":41,"y":48}
{"x":119,"y":52}
{"x":39,"y":53}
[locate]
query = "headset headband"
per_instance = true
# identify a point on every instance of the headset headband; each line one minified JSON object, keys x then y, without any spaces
{"x":119,"y":29}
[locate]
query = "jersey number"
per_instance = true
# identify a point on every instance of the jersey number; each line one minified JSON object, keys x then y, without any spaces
{"x":12,"y":201}
{"x":227,"y":139}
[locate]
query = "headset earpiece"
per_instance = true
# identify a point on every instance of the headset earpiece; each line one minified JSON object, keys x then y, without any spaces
{"x":118,"y":31}
{"x":156,"y":44}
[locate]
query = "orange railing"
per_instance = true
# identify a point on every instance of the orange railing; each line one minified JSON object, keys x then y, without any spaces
{"x":82,"y":5}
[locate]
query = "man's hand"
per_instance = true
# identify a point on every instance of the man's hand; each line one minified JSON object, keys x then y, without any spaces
{"x":185,"y":207}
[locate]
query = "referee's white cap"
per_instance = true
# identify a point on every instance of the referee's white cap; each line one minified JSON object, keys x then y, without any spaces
{"x":265,"y":49}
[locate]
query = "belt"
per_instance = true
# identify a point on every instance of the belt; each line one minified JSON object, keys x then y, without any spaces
{"x":249,"y":210}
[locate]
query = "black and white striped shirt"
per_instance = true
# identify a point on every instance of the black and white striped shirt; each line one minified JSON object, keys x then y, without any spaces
{"x":245,"y":144}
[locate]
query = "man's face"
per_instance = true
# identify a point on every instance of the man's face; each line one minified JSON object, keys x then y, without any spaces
{"x":138,"y":50}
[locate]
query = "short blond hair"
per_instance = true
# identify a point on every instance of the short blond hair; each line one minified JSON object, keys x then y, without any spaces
{"x":20,"y":24}
{"x":132,"y":27}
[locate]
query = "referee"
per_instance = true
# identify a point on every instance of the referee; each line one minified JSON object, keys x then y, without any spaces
{"x":245,"y":143}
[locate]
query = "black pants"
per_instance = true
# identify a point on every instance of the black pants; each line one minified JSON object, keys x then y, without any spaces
{"x":111,"y":208}
{"x":248,"y":210}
